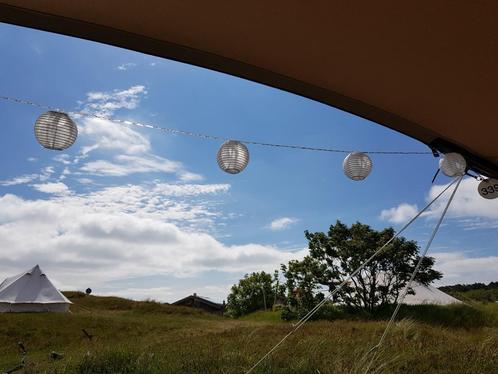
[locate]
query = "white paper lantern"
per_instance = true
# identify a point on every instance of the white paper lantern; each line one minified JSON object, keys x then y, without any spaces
{"x":233,"y":157}
{"x":357,"y":166}
{"x":453,"y":164}
{"x":55,"y":130}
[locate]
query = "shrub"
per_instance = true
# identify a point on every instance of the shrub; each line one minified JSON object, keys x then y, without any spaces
{"x":449,"y":315}
{"x":330,"y":312}
{"x":288,"y":314}
{"x":456,"y":315}
{"x":277,"y":307}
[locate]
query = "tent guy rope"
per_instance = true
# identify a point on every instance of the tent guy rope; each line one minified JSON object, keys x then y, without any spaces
{"x":412,"y":277}
{"x":304,"y":319}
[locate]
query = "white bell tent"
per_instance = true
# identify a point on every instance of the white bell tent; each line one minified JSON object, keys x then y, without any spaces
{"x":429,"y":295}
{"x":31,"y":291}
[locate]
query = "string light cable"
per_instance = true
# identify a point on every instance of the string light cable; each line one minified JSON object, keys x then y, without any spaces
{"x":200,"y":135}
{"x":310,"y":314}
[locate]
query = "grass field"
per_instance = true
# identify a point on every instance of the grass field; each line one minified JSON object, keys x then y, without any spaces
{"x":147,"y":337}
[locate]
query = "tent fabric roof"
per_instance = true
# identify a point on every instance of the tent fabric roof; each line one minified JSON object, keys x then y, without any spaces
{"x":425,"y":68}
{"x":429,"y":295}
{"x":31,"y":287}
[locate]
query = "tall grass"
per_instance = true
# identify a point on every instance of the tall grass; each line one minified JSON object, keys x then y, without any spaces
{"x":122,"y":361}
{"x":155,"y":338}
{"x":456,"y":315}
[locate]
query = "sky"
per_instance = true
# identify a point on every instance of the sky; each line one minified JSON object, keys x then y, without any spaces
{"x":140,"y":213}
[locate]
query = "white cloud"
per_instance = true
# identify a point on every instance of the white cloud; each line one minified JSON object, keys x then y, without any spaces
{"x":120,"y":232}
{"x":44,"y":175}
{"x":58,"y":188}
{"x":85,"y":180}
{"x":400,"y":214}
{"x":467,"y":202}
{"x":148,"y":293}
{"x":127,"y":165}
{"x":187,"y":176}
{"x":135,"y":153}
{"x":107,"y":135}
{"x":106,"y":103}
{"x":190,"y":189}
{"x":32,"y":159}
{"x":22,"y":179}
{"x":468,"y":207}
{"x":126,"y":66}
{"x":63,"y":158}
{"x":282,"y":223}
{"x":458,"y":267}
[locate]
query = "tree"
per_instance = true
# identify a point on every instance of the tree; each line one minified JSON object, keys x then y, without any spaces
{"x":337,"y":254}
{"x":256,"y":291}
{"x":302,"y":285}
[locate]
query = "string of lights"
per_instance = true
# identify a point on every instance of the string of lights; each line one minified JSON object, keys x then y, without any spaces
{"x":56,"y":130}
{"x":200,"y":135}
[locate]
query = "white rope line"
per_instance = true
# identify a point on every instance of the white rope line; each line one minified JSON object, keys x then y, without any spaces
{"x":200,"y":135}
{"x":304,"y":319}
{"x":412,"y":277}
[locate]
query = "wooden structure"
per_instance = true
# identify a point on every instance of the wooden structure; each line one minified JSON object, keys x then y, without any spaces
{"x":199,"y":302}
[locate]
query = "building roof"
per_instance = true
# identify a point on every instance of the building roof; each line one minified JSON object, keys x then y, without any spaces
{"x":199,"y":299}
{"x":424,"y":69}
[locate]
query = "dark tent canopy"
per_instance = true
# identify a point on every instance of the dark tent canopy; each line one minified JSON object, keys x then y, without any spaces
{"x":428,"y":69}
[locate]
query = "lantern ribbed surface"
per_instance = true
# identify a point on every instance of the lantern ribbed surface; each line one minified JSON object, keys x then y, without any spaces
{"x":232,"y":157}
{"x":453,"y":164}
{"x":357,"y":166}
{"x":55,"y":130}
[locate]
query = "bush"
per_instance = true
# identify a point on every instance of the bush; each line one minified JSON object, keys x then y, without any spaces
{"x":288,"y":314}
{"x":456,"y":315}
{"x":277,"y":307}
{"x":449,"y":315}
{"x":330,"y":312}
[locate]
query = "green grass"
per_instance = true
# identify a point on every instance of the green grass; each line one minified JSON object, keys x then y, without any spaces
{"x":456,"y":315}
{"x":262,"y":316}
{"x":148,"y":337}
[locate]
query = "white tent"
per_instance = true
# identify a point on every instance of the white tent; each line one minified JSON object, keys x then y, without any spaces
{"x":429,"y":295}
{"x":31,"y":291}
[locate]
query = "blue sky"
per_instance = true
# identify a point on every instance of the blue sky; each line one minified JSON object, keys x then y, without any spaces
{"x":140,"y":213}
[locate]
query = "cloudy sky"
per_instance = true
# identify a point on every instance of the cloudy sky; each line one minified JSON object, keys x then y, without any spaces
{"x":140,"y":213}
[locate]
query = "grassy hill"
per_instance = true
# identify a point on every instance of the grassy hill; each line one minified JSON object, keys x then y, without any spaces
{"x":148,"y":337}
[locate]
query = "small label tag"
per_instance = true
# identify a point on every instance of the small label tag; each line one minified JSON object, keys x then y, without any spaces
{"x":488,"y":188}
